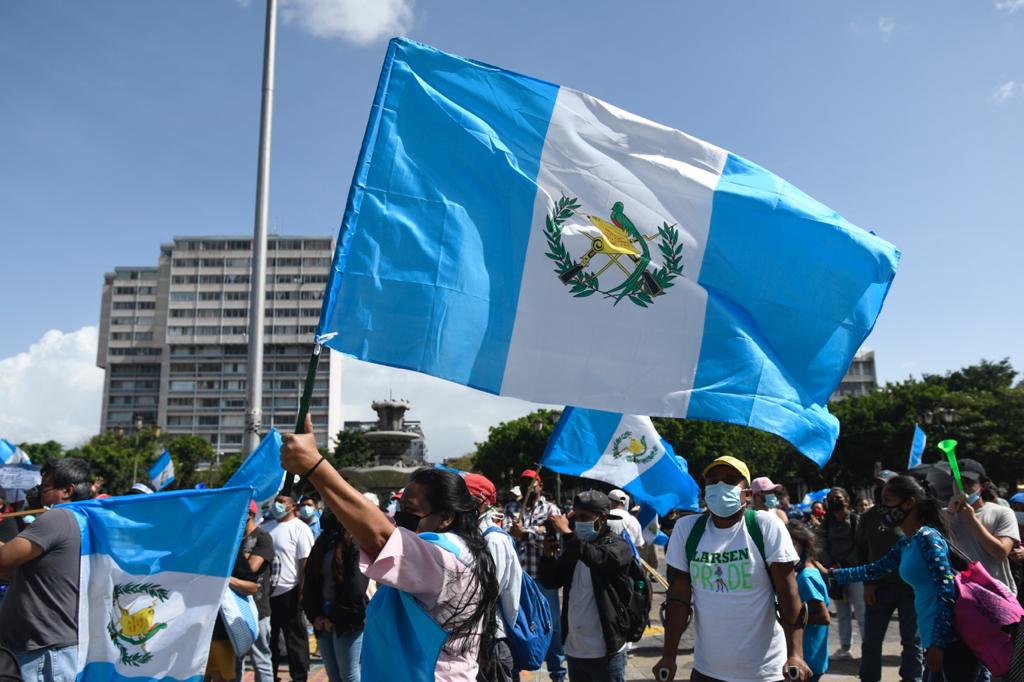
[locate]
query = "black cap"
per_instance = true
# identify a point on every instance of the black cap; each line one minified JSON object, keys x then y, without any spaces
{"x":972,"y":469}
{"x":592,"y":501}
{"x":886,"y":475}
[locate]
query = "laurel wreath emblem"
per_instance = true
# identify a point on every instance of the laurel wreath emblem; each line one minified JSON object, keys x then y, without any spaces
{"x":623,"y":451}
{"x":583,"y":283}
{"x":116,"y":633}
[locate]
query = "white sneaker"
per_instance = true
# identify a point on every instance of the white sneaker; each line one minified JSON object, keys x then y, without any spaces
{"x":842,"y":655}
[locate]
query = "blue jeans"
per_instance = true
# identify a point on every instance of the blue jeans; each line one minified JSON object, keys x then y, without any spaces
{"x":555,"y":660}
{"x":888,"y":598}
{"x":49,"y":665}
{"x":340,"y":654}
{"x":849,"y":609}
{"x":608,"y":669}
{"x":259,"y":655}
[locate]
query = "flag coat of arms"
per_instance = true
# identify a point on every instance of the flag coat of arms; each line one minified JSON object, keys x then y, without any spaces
{"x":624,"y":450}
{"x":530,"y":240}
{"x":154,"y":569}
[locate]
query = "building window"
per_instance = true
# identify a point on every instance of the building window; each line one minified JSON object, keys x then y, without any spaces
{"x":183,"y":296}
{"x":123,"y":305}
{"x":182,"y":386}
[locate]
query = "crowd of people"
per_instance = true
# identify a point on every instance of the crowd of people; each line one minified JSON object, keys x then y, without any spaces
{"x":435,"y":584}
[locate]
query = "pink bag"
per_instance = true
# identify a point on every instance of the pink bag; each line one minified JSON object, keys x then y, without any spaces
{"x":985,"y":617}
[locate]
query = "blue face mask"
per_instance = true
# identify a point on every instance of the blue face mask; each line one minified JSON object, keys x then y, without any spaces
{"x":278,"y":510}
{"x":723,"y":499}
{"x":306,"y":512}
{"x":585,"y":530}
{"x":771,"y":501}
{"x":973,"y":497}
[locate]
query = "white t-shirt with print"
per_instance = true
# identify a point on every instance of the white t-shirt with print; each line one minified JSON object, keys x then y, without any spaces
{"x":738,"y":637}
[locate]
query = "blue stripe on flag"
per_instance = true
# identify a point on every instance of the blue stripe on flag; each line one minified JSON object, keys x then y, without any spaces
{"x":6,"y":451}
{"x":917,"y":447}
{"x":663,"y":485}
{"x":787,"y":307}
{"x":261,"y":470}
{"x":434,"y":235}
{"x":98,"y":670}
{"x":589,"y":437}
{"x":178,"y":530}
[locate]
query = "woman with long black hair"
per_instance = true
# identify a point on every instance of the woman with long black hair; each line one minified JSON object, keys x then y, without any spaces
{"x":436,"y":558}
{"x":334,"y":599}
{"x":923,"y":558}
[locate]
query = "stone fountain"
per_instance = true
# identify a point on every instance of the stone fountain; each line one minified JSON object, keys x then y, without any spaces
{"x":399,"y":450}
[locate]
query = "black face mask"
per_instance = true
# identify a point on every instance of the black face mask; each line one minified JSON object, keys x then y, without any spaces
{"x":407,"y":520}
{"x":892,"y":516}
{"x":33,"y":498}
{"x":836,"y":504}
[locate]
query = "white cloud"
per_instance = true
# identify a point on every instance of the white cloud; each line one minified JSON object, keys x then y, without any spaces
{"x":454,"y":417}
{"x":1005,"y":92}
{"x":53,"y":390}
{"x":1009,"y":6}
{"x":886,"y":25}
{"x":359,"y":21}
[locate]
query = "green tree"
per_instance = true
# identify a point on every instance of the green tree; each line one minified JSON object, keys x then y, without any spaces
{"x":516,"y":445}
{"x":352,"y":450}
{"x":40,"y":453}
{"x":187,"y":452}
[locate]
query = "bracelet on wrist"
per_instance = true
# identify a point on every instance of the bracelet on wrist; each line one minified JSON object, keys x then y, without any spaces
{"x":313,"y":468}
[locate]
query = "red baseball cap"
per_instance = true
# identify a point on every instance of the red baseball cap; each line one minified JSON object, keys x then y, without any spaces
{"x":529,"y":473}
{"x":481,"y":487}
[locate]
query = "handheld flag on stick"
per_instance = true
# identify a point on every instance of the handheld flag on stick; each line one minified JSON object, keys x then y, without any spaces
{"x":161,"y":474}
{"x":261,"y":470}
{"x":948,"y":446}
{"x":529,"y":240}
{"x":152,"y":580}
{"x":917,"y":447}
{"x":624,"y":450}
{"x":12,"y":454}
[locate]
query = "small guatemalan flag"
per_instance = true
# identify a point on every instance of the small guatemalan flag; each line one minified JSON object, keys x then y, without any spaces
{"x":624,"y":450}
{"x":161,"y":474}
{"x":12,"y":454}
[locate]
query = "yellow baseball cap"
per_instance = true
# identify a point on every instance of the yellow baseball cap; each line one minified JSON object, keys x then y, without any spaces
{"x":730,"y":461}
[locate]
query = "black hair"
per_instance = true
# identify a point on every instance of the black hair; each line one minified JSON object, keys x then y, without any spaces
{"x":799,"y":532}
{"x":838,"y":489}
{"x":70,"y":471}
{"x":446,"y":492}
{"x":929,"y":509}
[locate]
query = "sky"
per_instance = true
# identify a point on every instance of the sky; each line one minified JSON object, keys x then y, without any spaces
{"x":126,"y":123}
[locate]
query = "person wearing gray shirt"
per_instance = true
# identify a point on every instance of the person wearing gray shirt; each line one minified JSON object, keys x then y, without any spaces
{"x":39,"y":615}
{"x":984,"y":531}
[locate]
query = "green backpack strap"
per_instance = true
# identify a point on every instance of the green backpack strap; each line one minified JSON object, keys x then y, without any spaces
{"x":693,"y":539}
{"x":754,"y":528}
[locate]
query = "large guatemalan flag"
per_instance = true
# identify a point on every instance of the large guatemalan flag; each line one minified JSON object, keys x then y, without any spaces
{"x":624,"y":450}
{"x":262,"y":470}
{"x":530,"y":240}
{"x":154,"y":569}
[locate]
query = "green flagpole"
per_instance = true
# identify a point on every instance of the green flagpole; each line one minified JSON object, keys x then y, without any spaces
{"x":307,"y":392}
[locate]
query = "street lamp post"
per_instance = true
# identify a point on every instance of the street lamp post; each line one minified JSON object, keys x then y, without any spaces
{"x":138,"y":446}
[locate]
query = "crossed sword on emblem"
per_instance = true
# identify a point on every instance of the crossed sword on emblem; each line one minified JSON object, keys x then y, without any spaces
{"x":613,"y":243}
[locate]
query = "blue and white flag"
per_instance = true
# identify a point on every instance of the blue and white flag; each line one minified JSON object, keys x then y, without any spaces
{"x":917,"y":447}
{"x":262,"y":470}
{"x":161,"y":474}
{"x":815,"y":496}
{"x":529,"y":240}
{"x":623,"y":450}
{"x":154,"y":569}
{"x":12,"y":454}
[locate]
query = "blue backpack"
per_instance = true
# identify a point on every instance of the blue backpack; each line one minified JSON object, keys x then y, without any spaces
{"x":530,"y":635}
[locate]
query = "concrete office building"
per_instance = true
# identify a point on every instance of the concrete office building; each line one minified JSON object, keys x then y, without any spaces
{"x":861,"y":377}
{"x":173,"y":339}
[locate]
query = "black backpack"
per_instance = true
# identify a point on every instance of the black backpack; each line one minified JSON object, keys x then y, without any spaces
{"x":638,"y":606}
{"x":10,"y":671}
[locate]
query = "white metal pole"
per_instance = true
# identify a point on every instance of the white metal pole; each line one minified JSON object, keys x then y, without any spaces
{"x":258,"y":285}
